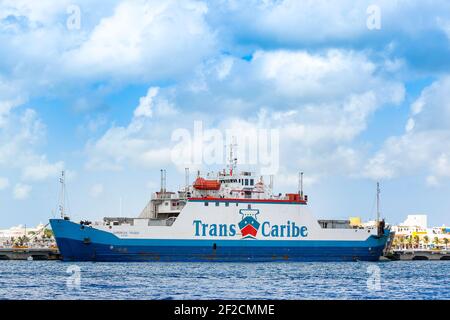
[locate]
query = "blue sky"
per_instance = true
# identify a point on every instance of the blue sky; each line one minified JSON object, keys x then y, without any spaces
{"x":353,"y":105}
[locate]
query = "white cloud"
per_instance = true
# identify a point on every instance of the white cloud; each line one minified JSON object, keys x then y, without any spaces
{"x":96,"y":190}
{"x":298,"y":23}
{"x":4,"y":183}
{"x":224,"y":68}
{"x":36,"y":12}
{"x":305,"y":75}
{"x":319,"y":103}
{"x":376,"y":167}
{"x":294,"y":21}
{"x":92,"y":124}
{"x":410,"y":125}
{"x":441,"y":165}
{"x":144,"y":108}
{"x":19,"y":136}
{"x":425,"y":145}
{"x":10,"y":98}
{"x":137,"y":143}
{"x":42,"y":170}
{"x":21,"y":191}
{"x":119,"y":42}
{"x":144,"y":40}
{"x":22,"y":133}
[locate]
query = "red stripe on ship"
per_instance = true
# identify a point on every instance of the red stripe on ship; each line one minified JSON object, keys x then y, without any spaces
{"x":248,"y":200}
{"x":249,"y":230}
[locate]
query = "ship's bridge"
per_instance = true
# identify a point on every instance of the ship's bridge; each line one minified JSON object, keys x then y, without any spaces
{"x":245,"y":184}
{"x":227,"y":184}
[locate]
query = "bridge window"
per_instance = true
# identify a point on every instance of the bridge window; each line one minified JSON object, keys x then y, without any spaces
{"x":227,"y":204}
{"x":246,"y":182}
{"x":252,"y":182}
{"x":217,"y":204}
{"x":206,"y":203}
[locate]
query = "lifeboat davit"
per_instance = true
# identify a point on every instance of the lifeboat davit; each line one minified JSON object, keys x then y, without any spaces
{"x":203,"y":184}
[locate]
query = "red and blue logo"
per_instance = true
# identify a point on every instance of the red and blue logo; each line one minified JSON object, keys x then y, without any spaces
{"x":249,"y":224}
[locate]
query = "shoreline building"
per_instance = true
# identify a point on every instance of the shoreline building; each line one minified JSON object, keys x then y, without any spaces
{"x":414,"y":234}
{"x":23,"y":235}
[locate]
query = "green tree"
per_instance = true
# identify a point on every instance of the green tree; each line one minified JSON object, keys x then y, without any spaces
{"x":436,"y":241}
{"x":395,"y":243}
{"x":401,"y":241}
{"x":426,"y":240}
{"x":410,"y":242}
{"x":416,"y":241}
{"x":48,"y":233}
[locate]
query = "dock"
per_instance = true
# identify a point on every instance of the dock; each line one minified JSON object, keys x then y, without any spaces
{"x":29,"y":254}
{"x":409,"y":255}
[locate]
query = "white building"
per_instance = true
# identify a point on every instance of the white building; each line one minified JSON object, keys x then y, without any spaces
{"x":416,"y":220}
{"x":414,"y":233}
{"x":19,"y":231}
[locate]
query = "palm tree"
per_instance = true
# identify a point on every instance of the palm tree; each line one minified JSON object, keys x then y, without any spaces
{"x":48,"y":233}
{"x":405,"y":243}
{"x":395,"y":243}
{"x":426,"y":240}
{"x":410,"y":242}
{"x":416,"y":241}
{"x":400,"y":242}
{"x":436,"y":241}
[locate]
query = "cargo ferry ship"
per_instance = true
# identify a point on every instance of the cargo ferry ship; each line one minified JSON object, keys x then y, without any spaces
{"x":223,"y":216}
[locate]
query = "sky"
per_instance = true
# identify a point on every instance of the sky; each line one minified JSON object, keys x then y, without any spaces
{"x":356,"y":91}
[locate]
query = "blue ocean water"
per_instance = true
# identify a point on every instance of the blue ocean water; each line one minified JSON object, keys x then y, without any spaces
{"x":275,"y":280}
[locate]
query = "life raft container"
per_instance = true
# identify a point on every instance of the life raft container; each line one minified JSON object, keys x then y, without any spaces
{"x":203,"y":184}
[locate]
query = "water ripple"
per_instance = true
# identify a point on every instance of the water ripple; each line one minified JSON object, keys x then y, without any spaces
{"x":275,"y":280}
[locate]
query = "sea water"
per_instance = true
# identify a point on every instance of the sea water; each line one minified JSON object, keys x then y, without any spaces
{"x":275,"y":280}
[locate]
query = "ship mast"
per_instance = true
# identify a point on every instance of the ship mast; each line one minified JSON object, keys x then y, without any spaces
{"x":378,"y":206}
{"x":186,"y":180}
{"x":163,"y":181}
{"x":378,"y":203}
{"x":63,"y":195}
{"x":232,"y":159}
{"x":300,"y":185}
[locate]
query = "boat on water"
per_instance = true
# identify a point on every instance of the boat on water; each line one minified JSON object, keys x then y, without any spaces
{"x":229,"y":215}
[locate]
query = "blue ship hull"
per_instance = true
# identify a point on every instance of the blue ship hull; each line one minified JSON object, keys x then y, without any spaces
{"x":77,"y":243}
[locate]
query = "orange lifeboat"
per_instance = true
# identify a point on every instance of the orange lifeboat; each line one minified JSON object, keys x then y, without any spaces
{"x":203,"y":184}
{"x":293,"y":196}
